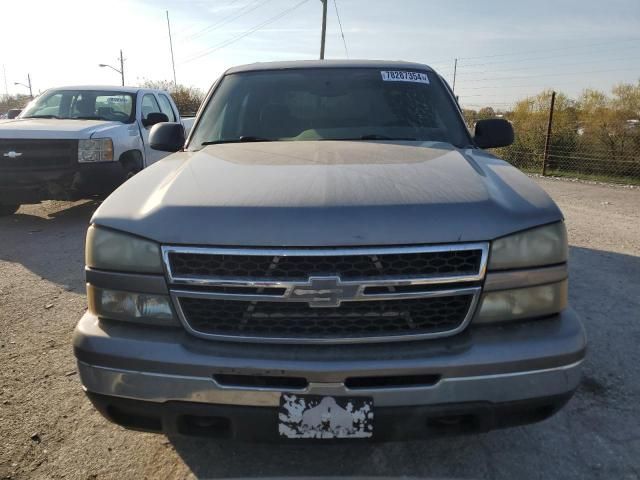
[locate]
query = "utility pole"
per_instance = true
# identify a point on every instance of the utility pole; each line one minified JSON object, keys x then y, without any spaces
{"x":6,"y":88}
{"x":547,"y":142}
{"x":122,"y":67}
{"x":455,"y":71}
{"x":173,"y":63}
{"x":324,"y":28}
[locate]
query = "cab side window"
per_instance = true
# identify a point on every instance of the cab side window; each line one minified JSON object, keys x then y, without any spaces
{"x":149,"y":105}
{"x":165,"y":106}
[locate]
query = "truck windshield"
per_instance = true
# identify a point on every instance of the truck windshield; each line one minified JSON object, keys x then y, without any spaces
{"x":82,"y":105}
{"x":330,"y":104}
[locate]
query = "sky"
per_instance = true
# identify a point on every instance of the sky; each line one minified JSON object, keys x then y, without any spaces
{"x":506,"y":49}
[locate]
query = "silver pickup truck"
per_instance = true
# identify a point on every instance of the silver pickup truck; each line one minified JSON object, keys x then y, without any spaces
{"x":330,"y":254}
{"x":76,"y":142}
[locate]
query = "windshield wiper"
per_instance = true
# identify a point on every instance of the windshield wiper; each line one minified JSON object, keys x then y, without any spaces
{"x":244,"y":138}
{"x":384,"y":137}
{"x":88,"y":117}
{"x":373,"y":136}
{"x":42,"y":116}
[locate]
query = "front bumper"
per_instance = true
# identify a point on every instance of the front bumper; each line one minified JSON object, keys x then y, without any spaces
{"x":81,"y":180}
{"x":527,"y":367}
{"x":261,"y":423}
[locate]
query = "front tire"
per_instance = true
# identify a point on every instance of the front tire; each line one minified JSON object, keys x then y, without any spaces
{"x":6,"y":210}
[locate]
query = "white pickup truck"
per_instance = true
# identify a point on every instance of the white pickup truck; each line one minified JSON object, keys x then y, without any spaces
{"x":77,"y":142}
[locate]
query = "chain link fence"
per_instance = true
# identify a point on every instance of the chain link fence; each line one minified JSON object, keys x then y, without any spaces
{"x":580,"y":156}
{"x":568,"y":139}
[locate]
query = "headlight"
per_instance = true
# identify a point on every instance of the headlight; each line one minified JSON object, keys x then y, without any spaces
{"x":522,"y":303}
{"x":96,"y":150}
{"x":533,"y":248}
{"x":110,"y":250}
{"x":131,"y":307}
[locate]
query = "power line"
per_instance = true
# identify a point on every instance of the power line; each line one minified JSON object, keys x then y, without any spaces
{"x":189,"y":30}
{"x":550,"y":65}
{"x":335,"y":4}
{"x":446,"y":62}
{"x":246,"y":9}
{"x":493,"y":79}
{"x":545,"y":57}
{"x":527,"y":52}
{"x":231,"y":40}
{"x":501,"y":87}
{"x":228,"y":19}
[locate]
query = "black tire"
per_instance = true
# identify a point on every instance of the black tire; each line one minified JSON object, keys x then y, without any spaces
{"x":6,"y":210}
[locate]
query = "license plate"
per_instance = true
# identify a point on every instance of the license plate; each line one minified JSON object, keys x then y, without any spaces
{"x":315,"y":416}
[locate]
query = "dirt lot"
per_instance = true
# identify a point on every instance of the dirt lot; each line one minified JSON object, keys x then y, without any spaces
{"x":49,"y":430}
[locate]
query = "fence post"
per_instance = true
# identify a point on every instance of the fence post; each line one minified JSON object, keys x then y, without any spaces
{"x":547,"y":141}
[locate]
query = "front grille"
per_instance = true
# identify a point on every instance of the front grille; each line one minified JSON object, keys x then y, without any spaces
{"x":437,"y":263}
{"x":326,"y":295}
{"x":37,"y":154}
{"x":349,"y":320}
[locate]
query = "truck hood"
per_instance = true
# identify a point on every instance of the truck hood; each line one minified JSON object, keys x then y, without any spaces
{"x":51,"y":128}
{"x":327,"y":193}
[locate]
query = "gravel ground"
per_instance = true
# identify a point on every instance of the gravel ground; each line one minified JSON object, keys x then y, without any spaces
{"x":49,"y":430}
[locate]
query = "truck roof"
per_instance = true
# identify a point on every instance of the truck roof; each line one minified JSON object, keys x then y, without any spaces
{"x":110,"y":88}
{"x":296,"y":64}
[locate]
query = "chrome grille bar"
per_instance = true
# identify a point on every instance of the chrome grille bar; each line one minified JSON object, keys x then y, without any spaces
{"x":317,"y":252}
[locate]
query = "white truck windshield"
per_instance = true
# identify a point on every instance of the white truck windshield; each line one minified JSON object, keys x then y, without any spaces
{"x":82,"y":105}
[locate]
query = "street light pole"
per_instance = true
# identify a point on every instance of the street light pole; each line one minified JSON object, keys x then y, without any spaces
{"x":121,"y":71}
{"x":324,"y":28}
{"x":27,"y":85}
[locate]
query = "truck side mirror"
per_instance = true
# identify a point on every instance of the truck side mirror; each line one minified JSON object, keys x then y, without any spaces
{"x":493,"y":133}
{"x":154,"y":118}
{"x":13,"y":113}
{"x":167,"y":137}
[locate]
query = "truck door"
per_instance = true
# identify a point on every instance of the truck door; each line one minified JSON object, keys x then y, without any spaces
{"x":148,"y":105}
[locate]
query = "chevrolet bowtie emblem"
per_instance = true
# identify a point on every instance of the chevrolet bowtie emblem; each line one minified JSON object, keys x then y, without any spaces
{"x":12,"y":154}
{"x":325,"y":291}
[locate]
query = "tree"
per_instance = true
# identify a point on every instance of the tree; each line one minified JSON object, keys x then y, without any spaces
{"x":7,"y":102}
{"x":606,"y":128}
{"x":486,"y":113}
{"x":188,"y":99}
{"x":470,"y":117}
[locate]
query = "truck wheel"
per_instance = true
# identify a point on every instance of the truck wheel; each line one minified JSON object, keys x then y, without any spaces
{"x":8,"y":210}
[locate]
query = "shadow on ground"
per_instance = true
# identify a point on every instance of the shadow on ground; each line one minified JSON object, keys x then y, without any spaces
{"x":52,"y":247}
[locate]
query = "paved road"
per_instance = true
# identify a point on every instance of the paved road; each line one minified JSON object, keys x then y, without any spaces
{"x":49,"y":430}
